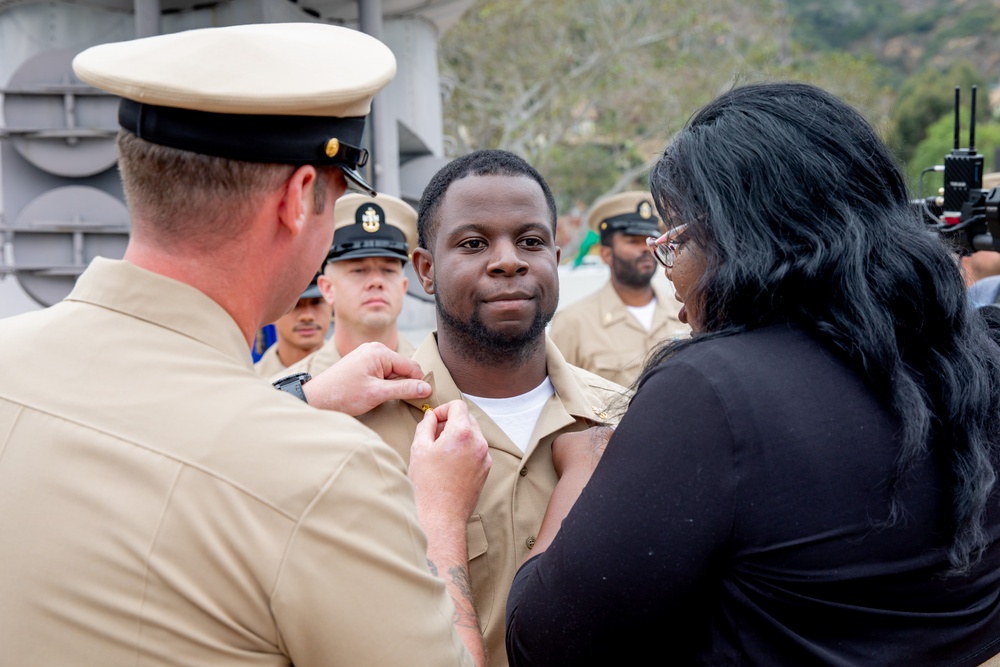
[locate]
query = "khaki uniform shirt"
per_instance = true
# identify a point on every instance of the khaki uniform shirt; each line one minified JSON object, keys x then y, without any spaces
{"x":160,"y":504}
{"x":600,"y":334}
{"x":517,"y":490}
{"x":327,"y":356}
{"x":269,"y":365}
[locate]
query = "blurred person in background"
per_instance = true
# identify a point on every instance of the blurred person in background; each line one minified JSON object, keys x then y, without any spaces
{"x":298,"y":333}
{"x":611,"y":331}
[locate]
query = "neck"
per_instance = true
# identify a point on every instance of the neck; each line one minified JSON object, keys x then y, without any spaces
{"x":480,"y":373}
{"x":289,"y":354}
{"x":347,"y":340}
{"x":211,"y":275}
{"x":633,"y":296}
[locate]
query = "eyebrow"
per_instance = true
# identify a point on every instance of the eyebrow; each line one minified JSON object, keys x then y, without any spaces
{"x":482,"y":228}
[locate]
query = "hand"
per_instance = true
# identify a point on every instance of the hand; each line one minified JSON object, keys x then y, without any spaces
{"x":368,"y":376}
{"x":580,"y":451}
{"x":449,"y":461}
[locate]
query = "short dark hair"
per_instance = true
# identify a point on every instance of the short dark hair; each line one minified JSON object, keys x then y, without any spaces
{"x":488,"y":162}
{"x":803,"y":216}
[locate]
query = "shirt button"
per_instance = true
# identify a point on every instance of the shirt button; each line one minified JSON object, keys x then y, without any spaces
{"x":530,"y":542}
{"x":524,"y":471}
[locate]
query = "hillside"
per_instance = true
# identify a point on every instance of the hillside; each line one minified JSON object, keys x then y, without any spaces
{"x":905,"y":36}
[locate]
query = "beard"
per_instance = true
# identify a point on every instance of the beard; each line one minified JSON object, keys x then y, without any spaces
{"x":482,"y":344}
{"x":628,"y":272}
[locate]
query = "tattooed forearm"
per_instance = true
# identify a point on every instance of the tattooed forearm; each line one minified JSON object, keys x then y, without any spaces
{"x":461,"y":592}
{"x":433,"y":568}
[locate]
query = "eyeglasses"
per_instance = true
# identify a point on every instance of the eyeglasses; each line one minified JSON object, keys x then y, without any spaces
{"x":665,"y":248}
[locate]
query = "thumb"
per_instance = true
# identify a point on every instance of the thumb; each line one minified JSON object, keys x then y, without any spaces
{"x":401,"y":389}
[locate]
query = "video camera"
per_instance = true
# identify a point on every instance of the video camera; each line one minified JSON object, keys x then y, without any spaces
{"x":964,"y":212}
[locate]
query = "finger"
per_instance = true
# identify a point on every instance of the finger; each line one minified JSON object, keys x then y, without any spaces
{"x":425,"y":429}
{"x":396,"y":365}
{"x":404,"y":390}
{"x":452,"y":408}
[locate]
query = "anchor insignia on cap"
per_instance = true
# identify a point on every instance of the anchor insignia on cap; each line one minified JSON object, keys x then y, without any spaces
{"x":645,"y":210}
{"x":370,"y":221}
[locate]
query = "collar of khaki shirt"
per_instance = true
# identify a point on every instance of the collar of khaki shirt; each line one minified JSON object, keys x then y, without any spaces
{"x":576,"y":404}
{"x":124,"y":287}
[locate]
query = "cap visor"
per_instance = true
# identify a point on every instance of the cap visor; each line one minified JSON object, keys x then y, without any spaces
{"x":356,"y":183}
{"x":311,"y":292}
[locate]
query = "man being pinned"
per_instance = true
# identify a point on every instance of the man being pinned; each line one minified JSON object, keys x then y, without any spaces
{"x":610,"y":331}
{"x":363,"y":277}
{"x":487,"y":252}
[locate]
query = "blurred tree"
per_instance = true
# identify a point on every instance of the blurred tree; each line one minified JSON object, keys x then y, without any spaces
{"x":590,"y":90}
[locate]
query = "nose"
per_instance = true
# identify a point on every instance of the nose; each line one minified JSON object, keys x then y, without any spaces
{"x":506,"y":260}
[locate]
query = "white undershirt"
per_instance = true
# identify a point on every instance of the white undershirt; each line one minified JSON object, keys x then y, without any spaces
{"x":644,"y":313}
{"x":516,"y":416}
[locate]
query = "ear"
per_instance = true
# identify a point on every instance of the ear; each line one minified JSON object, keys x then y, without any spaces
{"x":423,"y":266}
{"x":297,"y":202}
{"x":558,"y":254}
{"x":606,"y":254}
{"x":327,"y":288}
{"x":406,"y":283}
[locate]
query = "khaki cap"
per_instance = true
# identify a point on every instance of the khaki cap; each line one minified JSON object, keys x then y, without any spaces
{"x":384,"y":226}
{"x":289,"y":93}
{"x":629,"y":212}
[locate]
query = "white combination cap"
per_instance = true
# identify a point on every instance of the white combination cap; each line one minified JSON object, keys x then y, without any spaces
{"x":290,"y":93}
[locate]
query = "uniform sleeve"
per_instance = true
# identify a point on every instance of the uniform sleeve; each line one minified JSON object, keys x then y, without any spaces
{"x":638,"y":554}
{"x":355,"y":588}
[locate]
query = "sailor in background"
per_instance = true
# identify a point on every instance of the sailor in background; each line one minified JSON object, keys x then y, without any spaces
{"x":299,"y":332}
{"x":362,"y":279}
{"x":610,"y":331}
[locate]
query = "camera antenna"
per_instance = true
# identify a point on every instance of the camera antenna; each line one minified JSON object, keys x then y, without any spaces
{"x":972,"y":124}
{"x":958,"y":93}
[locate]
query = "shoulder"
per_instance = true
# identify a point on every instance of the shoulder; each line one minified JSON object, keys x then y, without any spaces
{"x":984,"y":290}
{"x":755,"y":365}
{"x":277,"y":448}
{"x":610,"y":397}
{"x":395,"y":422}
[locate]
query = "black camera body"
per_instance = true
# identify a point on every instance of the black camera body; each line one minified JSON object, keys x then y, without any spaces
{"x":965,"y":213}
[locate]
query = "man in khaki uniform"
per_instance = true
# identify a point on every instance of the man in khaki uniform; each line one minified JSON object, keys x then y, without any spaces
{"x":160,"y":503}
{"x":300,"y":332}
{"x":363,"y":279}
{"x":610,"y":331}
{"x":487,"y":252}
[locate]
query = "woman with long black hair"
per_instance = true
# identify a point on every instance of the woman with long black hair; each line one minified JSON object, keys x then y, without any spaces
{"x":811,"y":478}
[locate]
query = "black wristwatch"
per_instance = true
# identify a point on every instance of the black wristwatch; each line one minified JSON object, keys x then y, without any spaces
{"x":293,"y":384}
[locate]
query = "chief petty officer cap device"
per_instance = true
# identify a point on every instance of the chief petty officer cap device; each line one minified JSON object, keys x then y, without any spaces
{"x":382,"y":227}
{"x":627,"y":212}
{"x":286,"y":93}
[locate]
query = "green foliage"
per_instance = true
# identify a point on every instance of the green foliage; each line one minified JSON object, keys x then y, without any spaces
{"x":836,"y":25}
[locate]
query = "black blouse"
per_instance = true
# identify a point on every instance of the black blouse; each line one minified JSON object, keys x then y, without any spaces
{"x":739,"y":517}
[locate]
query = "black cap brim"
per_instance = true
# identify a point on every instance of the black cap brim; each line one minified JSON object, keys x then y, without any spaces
{"x":356,"y":182}
{"x":311,"y":292}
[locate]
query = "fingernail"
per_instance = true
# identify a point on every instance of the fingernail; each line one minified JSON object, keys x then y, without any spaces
{"x":424,"y":388}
